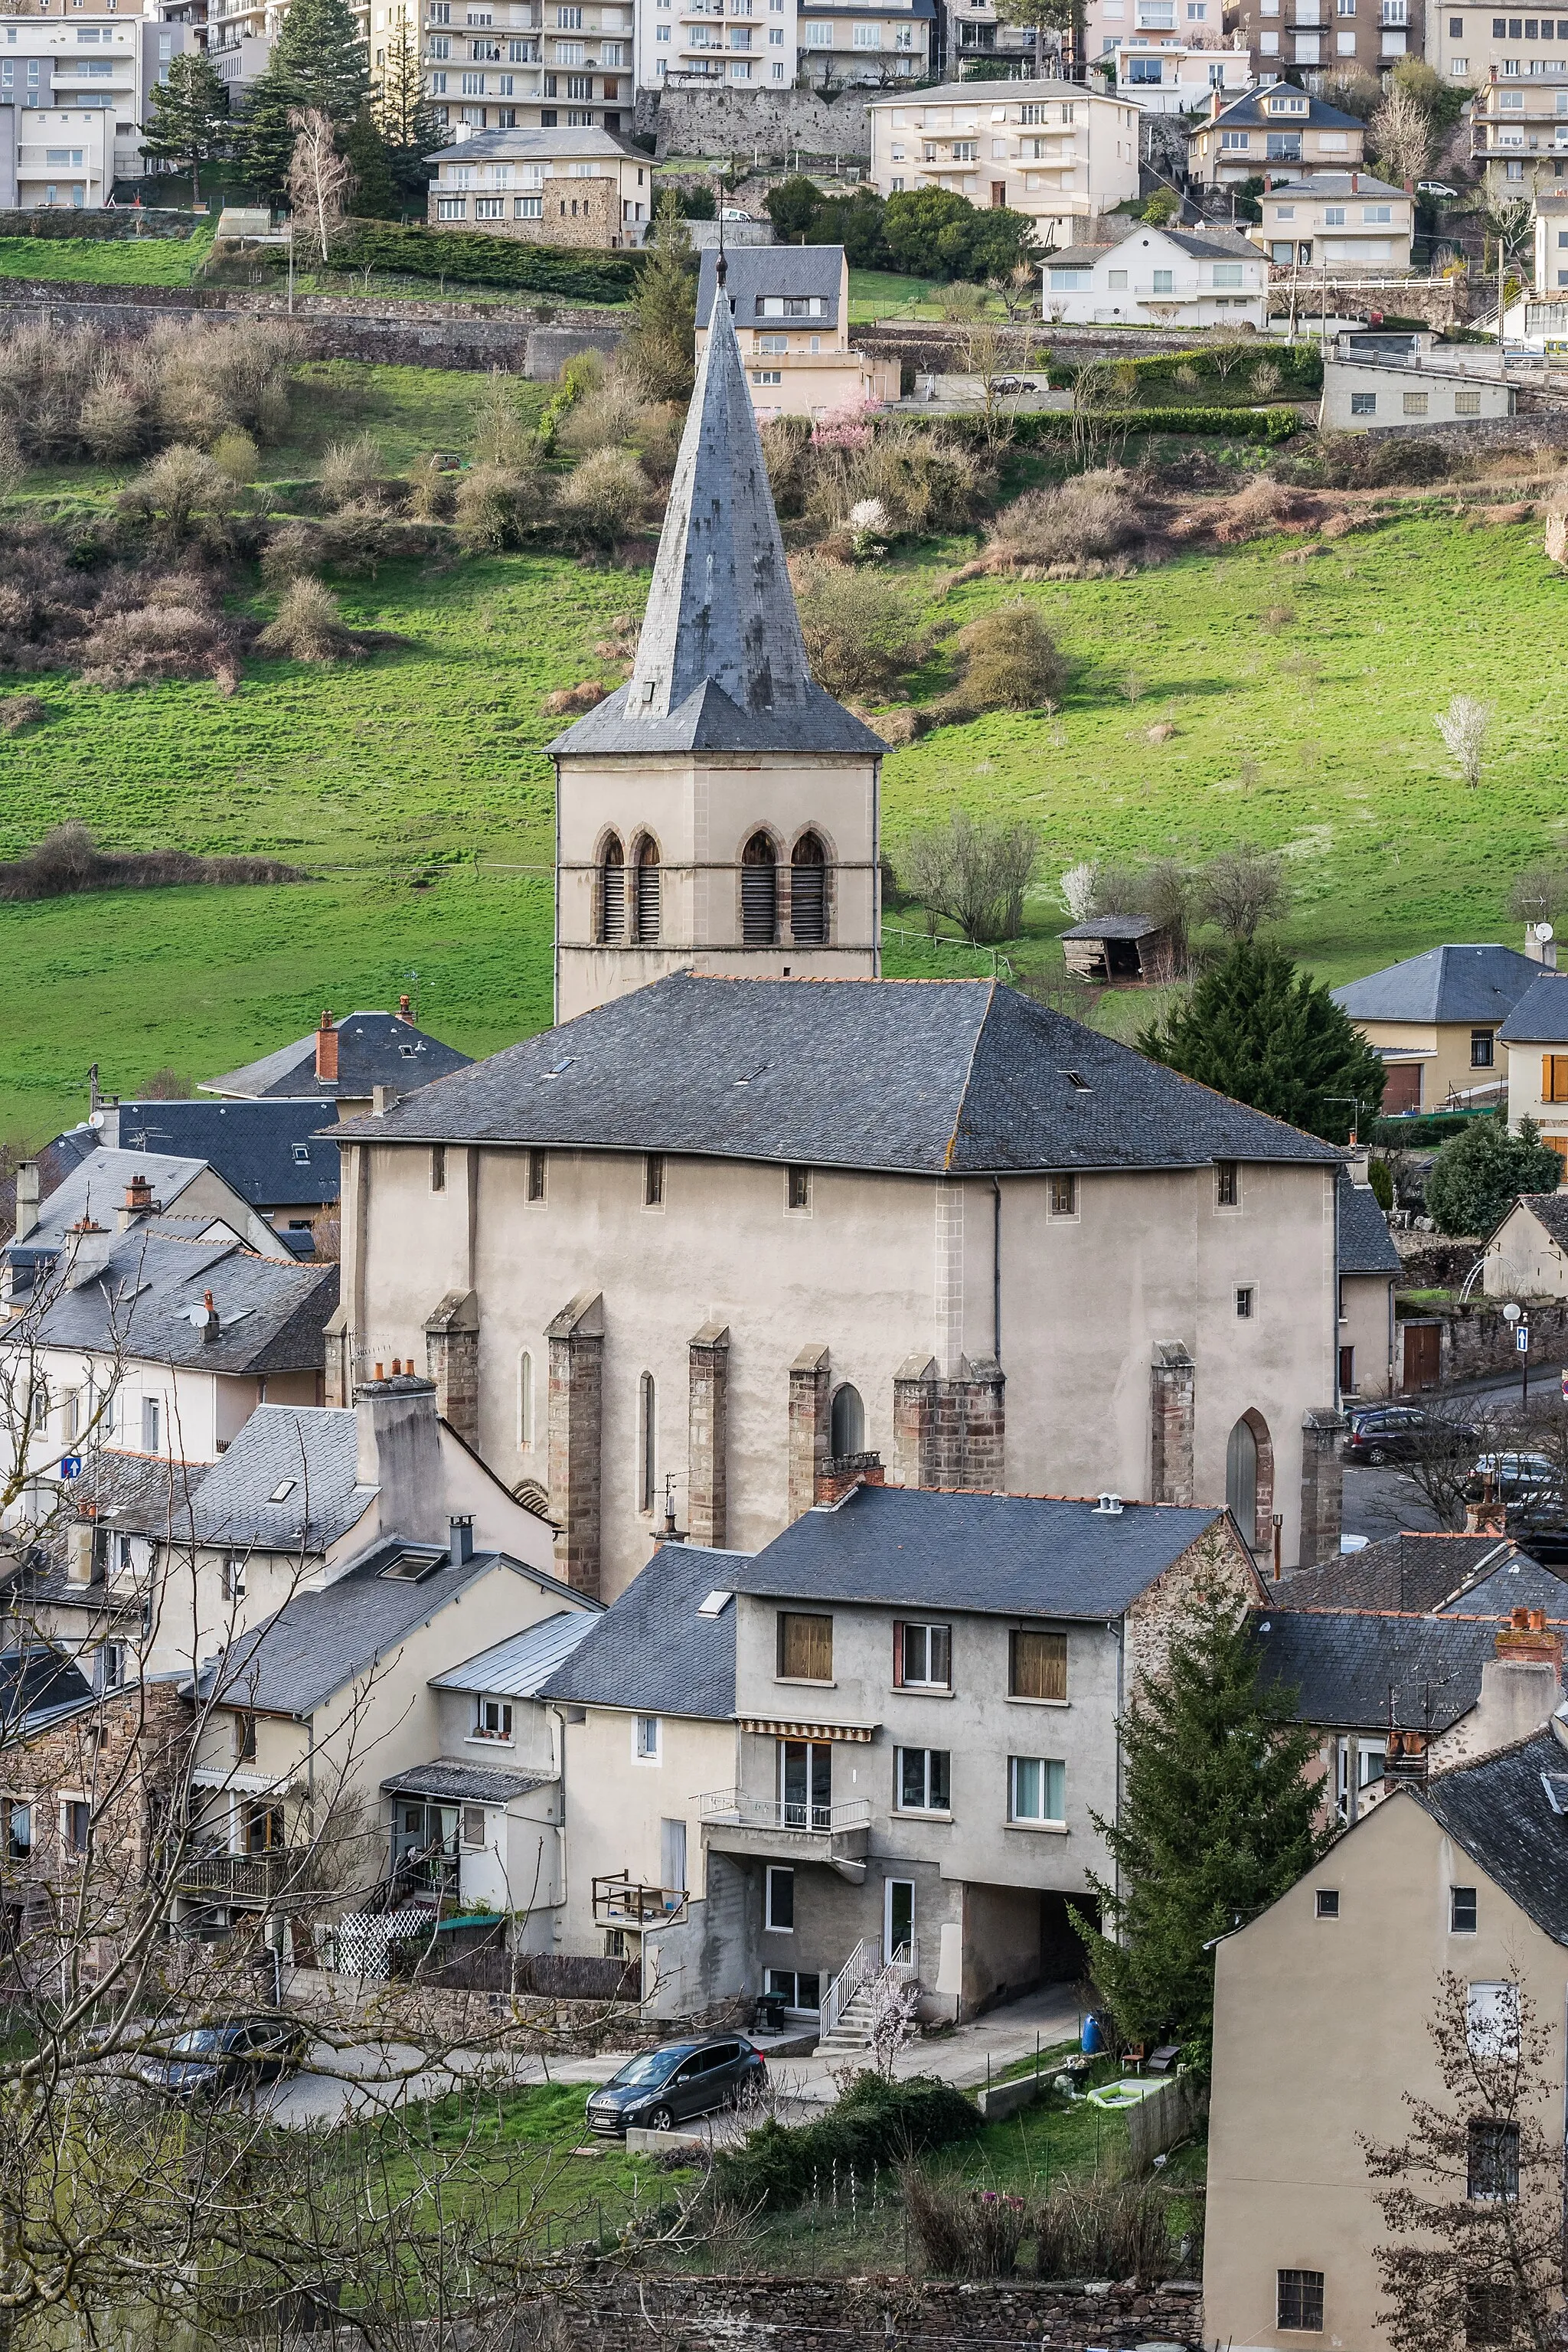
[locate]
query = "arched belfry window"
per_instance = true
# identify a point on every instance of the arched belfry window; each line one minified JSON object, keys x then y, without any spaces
{"x":646,"y":893}
{"x":808,"y":892}
{"x":613,"y":892}
{"x":758,"y":892}
{"x":847,"y":1422}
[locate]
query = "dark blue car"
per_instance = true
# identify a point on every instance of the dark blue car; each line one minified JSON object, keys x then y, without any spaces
{"x":663,"y":2087}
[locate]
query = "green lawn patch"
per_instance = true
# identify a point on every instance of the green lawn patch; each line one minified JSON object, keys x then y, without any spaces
{"x":104,"y":261}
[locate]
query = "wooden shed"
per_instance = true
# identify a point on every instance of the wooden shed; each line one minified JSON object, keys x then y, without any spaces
{"x":1118,"y":947}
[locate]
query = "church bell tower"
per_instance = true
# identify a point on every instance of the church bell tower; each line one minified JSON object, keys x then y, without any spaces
{"x":719,"y":811}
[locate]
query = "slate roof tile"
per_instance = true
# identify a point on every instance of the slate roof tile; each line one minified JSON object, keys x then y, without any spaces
{"x":375,"y":1049}
{"x":1447,"y":983}
{"x":1539,"y":1017}
{"x":1499,"y":1812}
{"x":650,"y":1652}
{"x":1366,"y":1245}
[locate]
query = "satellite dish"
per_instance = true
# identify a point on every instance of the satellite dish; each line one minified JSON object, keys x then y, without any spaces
{"x":95,"y":1119}
{"x":1544,"y":931}
{"x":197,"y":1316}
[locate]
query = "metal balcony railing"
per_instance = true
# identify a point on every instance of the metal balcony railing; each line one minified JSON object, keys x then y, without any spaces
{"x":733,"y":1806}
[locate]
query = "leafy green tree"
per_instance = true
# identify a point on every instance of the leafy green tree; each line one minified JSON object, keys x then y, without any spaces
{"x":659,"y":347}
{"x":1478,"y":1176}
{"x":793,"y":208}
{"x":1039,"y":17}
{"x":319,"y":65}
{"x":1257,"y":1029}
{"x":932,"y":233}
{"x":1217,"y":1819}
{"x":406,"y":119}
{"x":856,"y":223}
{"x":1379,"y":1179}
{"x":190,"y":123}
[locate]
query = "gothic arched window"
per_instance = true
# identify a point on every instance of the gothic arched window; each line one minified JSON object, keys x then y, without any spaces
{"x":646,"y":893}
{"x":758,"y":892}
{"x":613,"y":892}
{"x":808,"y":892}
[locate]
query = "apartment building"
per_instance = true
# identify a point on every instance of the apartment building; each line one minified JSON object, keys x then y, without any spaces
{"x":518,"y":65}
{"x":1198,"y":23}
{"x":1342,"y":220}
{"x":1519,"y":129}
{"x":791,"y":308}
{"x":874,"y":42}
{"x":1550,"y":243}
{"x":1275,"y":128}
{"x":545,"y":187}
{"x":747,"y":45}
{"x":74,"y":97}
{"x":1172,"y":77}
{"x":1049,"y":149}
{"x":968,"y":30}
{"x":1467,"y":41}
{"x":1320,"y":34}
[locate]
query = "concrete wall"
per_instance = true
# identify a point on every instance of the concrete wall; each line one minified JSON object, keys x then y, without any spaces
{"x":1367,"y":1326}
{"x":1396,"y":388}
{"x":1319,"y":2040}
{"x":616,"y":1804}
{"x":878,"y":1267}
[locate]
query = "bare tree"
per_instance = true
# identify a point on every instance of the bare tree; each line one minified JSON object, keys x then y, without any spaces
{"x":1464,"y":727}
{"x":1538,"y":894}
{"x":1474,"y":2200}
{"x":1401,"y":137}
{"x":1241,"y":888}
{"x":321,"y":181}
{"x":974,"y":874}
{"x":1076,"y":887}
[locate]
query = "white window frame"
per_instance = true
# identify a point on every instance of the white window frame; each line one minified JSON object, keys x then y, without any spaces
{"x":1043,"y":1820}
{"x":647,"y":1739}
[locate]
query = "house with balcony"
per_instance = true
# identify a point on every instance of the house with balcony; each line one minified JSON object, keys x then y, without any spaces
{"x":1313,"y":38}
{"x":1054,"y":150}
{"x":865,"y":43}
{"x":544,"y":187}
{"x":970,"y":30}
{"x":791,"y":308}
{"x":1436,"y":1021}
{"x":1277,"y":130}
{"x":74,"y":96}
{"x":1170,"y":77}
{"x":1160,"y":277}
{"x":1471,"y":44}
{"x":1518,"y":128}
{"x":1194,"y":23}
{"x":877,"y":1743}
{"x":1535,"y":1037}
{"x":1347,"y":223}
{"x":689,"y":44}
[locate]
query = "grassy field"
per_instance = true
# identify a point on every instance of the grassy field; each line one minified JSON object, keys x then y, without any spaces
{"x":107,"y":261}
{"x":412,"y":788}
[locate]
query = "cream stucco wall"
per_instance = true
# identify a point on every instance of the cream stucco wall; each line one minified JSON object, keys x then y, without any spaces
{"x":1367,"y":1325}
{"x":701,"y":813}
{"x":616,"y":1803}
{"x":881,"y":1267}
{"x":1445,"y":1051}
{"x":1319,"y":2032}
{"x":1527,"y":1083}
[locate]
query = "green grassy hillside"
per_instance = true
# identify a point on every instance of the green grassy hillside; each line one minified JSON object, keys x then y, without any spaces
{"x":413,"y":785}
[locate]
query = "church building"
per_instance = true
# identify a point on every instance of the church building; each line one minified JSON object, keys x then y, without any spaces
{"x":748,"y":1214}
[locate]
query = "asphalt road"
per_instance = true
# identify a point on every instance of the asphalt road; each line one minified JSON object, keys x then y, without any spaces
{"x":1379,"y":1503}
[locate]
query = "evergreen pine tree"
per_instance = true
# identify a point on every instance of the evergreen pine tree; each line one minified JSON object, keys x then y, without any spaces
{"x":318,"y":62}
{"x":190,"y":122}
{"x":659,"y":346}
{"x":406,"y":117}
{"x":376,"y":195}
{"x":1264,"y":1033}
{"x":1217,"y":1819}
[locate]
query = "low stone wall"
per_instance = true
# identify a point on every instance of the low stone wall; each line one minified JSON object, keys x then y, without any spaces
{"x":1540,"y":428}
{"x":438,"y":2016}
{"x":1436,"y":302}
{"x":1476,"y":1339}
{"x":535,"y":341}
{"x":773,"y":122}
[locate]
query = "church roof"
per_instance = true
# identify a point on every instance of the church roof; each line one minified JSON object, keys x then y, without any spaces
{"x":720,"y":664}
{"x":923,"y":1077}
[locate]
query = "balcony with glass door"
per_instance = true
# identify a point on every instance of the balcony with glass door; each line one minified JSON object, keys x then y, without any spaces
{"x":797,"y":1819}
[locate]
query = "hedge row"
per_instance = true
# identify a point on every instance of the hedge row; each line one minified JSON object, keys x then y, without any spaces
{"x":1271,"y":425}
{"x":875,"y":2123}
{"x":1300,"y":365}
{"x":469,"y":258}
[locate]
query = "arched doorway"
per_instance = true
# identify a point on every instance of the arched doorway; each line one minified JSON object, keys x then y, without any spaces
{"x":613,"y":892}
{"x":848,"y":1427}
{"x":1249,"y":1479}
{"x":758,"y":892}
{"x":808,"y":892}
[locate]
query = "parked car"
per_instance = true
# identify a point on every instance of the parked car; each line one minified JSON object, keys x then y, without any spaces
{"x":663,"y":2087}
{"x":239,"y":2054}
{"x":1516,"y":1477}
{"x":1007,"y":385}
{"x":1403,"y":1433}
{"x":1435,"y":188}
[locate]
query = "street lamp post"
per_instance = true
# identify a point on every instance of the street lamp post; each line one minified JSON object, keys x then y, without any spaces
{"x":1519,"y":1325}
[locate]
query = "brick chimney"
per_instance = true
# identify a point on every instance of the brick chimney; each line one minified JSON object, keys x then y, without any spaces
{"x":212,"y":1328}
{"x":139,"y":1202}
{"x":1526,"y":1640}
{"x":406,"y":1011}
{"x":1268,"y":181}
{"x":81,"y":1552}
{"x":327,"y":1052}
{"x":27,"y":1195}
{"x":1355,"y":183}
{"x":1489,"y":1518}
{"x":1522,"y":1686}
{"x":842,"y":1473}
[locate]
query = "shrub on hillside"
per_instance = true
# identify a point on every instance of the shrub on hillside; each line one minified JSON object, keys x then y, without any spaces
{"x":862,"y":630}
{"x":612,"y":416}
{"x":926,"y":482}
{"x":348,"y":468}
{"x":68,"y":860}
{"x":81,"y":394}
{"x":1084,"y":520}
{"x":1011,"y":662}
{"x":1105,"y":2228}
{"x":603,"y":499}
{"x":19,"y":710}
{"x":964,"y":2232}
{"x":179,"y":498}
{"x":175,"y":635}
{"x":309,"y":626}
{"x":502,"y":435}
{"x":875,"y":2123}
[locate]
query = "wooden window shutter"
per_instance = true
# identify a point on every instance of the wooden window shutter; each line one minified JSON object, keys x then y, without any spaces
{"x":1039,"y":1665}
{"x":806,"y":1647}
{"x":898,"y":1654}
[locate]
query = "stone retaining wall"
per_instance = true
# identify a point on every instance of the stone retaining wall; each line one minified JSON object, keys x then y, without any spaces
{"x":1538,"y":428}
{"x":535,"y":341}
{"x":1475,"y":1338}
{"x":727,"y":121}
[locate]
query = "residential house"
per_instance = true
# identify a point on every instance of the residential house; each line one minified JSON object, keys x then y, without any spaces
{"x":1468,"y":42}
{"x":1344,"y":222}
{"x":1273,"y":129}
{"x":1535,"y":1033}
{"x":1158,"y":277}
{"x":1322,"y":2010}
{"x":75,"y":94}
{"x":1527,"y":1255}
{"x":1369,"y":1274}
{"x":679,"y":42}
{"x":1519,"y":129}
{"x":343,"y":1064}
{"x":718,"y":1231}
{"x":865,"y":43}
{"x":1374,"y":380}
{"x":970,"y":30}
{"x":547,"y":187}
{"x":791,"y":308}
{"x":1056,"y":151}
{"x":1552,"y":244}
{"x":879,"y":1741}
{"x":1188,"y":24}
{"x":276,"y":1151}
{"x":1408,"y":1573}
{"x":1172,"y":76}
{"x":1436,"y":1020}
{"x":114,"y":1189}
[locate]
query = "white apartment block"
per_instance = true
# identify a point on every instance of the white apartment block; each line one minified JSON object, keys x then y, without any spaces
{"x":1169,"y":77}
{"x":1107,"y":23}
{"x":744,"y":44}
{"x":74,"y":96}
{"x":1048,"y":149}
{"x":1469,"y":42}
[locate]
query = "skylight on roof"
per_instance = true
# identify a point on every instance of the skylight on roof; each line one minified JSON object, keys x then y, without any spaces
{"x":556,"y":1067}
{"x":1076,"y":1079}
{"x":412,"y":1567}
{"x":281,"y":1494}
{"x":1556,"y":1787}
{"x":715,"y":1604}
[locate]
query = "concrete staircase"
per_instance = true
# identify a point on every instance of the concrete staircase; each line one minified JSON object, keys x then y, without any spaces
{"x":851,"y":2036}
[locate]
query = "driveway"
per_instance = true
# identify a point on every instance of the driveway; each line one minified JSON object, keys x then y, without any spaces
{"x":371,"y":2076}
